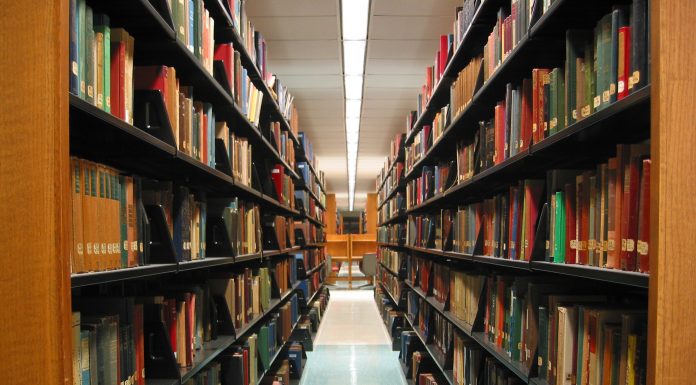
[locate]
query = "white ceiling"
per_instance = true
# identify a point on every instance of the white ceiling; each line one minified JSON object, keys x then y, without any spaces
{"x":304,"y":49}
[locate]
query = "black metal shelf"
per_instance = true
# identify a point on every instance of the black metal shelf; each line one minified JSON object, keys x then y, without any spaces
{"x":272,"y":253}
{"x":628,"y":278}
{"x":279,"y":350}
{"x":394,"y":219}
{"x":440,"y":307}
{"x":315,"y":295}
{"x":314,"y":221}
{"x":389,"y":294}
{"x":277,"y":207}
{"x":315,"y":269}
{"x":207,"y":354}
{"x":100,"y":277}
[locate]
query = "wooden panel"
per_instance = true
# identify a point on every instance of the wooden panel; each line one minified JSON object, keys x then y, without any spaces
{"x":371,"y":214}
{"x":35,"y":195}
{"x":330,"y":214}
{"x":672,"y":306}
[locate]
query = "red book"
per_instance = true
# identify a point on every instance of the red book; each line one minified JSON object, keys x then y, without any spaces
{"x":190,"y":301}
{"x":500,"y":312}
{"x":499,"y":133}
{"x":139,"y":337}
{"x":629,"y":218}
{"x":526,"y":121}
{"x":512,"y":240}
{"x":225,"y":53}
{"x":443,"y":55}
{"x":246,"y":366}
{"x":643,"y":242}
{"x":277,"y":177}
{"x":583,"y":209}
{"x":118,"y":75}
{"x":571,"y":241}
{"x":532,"y":197}
{"x":487,"y":322}
{"x":170,"y":321}
{"x":624,"y":68}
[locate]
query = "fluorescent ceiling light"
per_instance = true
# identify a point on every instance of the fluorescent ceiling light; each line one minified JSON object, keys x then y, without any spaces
{"x":353,"y":85}
{"x":353,"y":109}
{"x":354,"y":57}
{"x":355,"y":15}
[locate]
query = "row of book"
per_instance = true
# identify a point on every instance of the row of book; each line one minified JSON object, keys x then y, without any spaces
{"x":101,"y":61}
{"x":308,"y":149}
{"x":392,"y":233}
{"x":511,"y":27}
{"x":113,"y":216}
{"x":192,"y":122}
{"x":194,"y":28}
{"x":285,"y":271}
{"x":428,"y":135}
{"x":601,"y":217}
{"x":279,"y":232}
{"x":282,"y":143}
{"x":394,"y":285}
{"x":246,"y":294}
{"x":392,"y":259}
{"x":238,"y":84}
{"x":311,"y":258}
{"x":392,"y":208}
{"x":432,"y":182}
{"x":392,"y":181}
{"x":240,"y":154}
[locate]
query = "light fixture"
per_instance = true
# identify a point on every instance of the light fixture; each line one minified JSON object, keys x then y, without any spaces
{"x":354,"y":20}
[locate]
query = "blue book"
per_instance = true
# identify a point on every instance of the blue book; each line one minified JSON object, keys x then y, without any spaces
{"x":74,"y":32}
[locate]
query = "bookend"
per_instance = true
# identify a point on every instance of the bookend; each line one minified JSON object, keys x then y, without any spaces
{"x":448,"y":298}
{"x":303,"y":336}
{"x":275,"y":289}
{"x":403,"y":296}
{"x":150,"y":115}
{"x":222,"y":158}
{"x":300,"y":237}
{"x":220,"y":75}
{"x":539,"y":248}
{"x":301,"y":273}
{"x":255,"y":177}
{"x":268,"y":188}
{"x":218,"y":242}
{"x":159,"y":354}
{"x":478,"y":325}
{"x":225,"y":321}
{"x":161,"y":243}
{"x":478,"y":246}
{"x":270,"y":236}
{"x":431,"y":272}
{"x":163,"y":9}
{"x":403,"y":270}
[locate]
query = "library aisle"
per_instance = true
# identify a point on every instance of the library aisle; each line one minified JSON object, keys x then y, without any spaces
{"x":352,"y":346}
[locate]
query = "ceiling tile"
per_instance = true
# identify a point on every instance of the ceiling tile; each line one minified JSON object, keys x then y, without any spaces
{"x":396,"y":66}
{"x":410,"y":27}
{"x":406,"y":93}
{"x":415,"y":7}
{"x":393,"y":81}
{"x":284,"y":67}
{"x":402,"y":49}
{"x":257,"y":8}
{"x":295,"y":82}
{"x":318,"y":93}
{"x":297,"y":28}
{"x":304,"y":49}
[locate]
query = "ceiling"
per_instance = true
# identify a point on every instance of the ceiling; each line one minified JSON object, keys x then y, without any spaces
{"x":304,"y":49}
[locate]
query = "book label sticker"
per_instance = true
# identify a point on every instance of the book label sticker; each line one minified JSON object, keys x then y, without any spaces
{"x":586,"y":111}
{"x":642,"y":248}
{"x":623,"y":244}
{"x":606,"y":96}
{"x":74,"y":68}
{"x":612,"y":89}
{"x":622,"y":86}
{"x":597,"y":101}
{"x":630,"y":245}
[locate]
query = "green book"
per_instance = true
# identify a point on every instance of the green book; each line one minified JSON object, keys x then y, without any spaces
{"x":553,"y":105}
{"x":560,"y":101}
{"x":580,"y":342}
{"x":262,"y":346}
{"x":559,"y":229}
{"x":552,"y":226}
{"x":596,"y":68}
{"x":515,"y":327}
{"x":181,"y":20}
{"x":107,"y":66}
{"x":103,"y":54}
{"x":572,"y":53}
{"x":81,"y":75}
{"x":589,"y":82}
{"x":618,"y":20}
{"x":90,"y":70}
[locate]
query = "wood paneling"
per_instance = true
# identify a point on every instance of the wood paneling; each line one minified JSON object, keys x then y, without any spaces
{"x":371,"y":215}
{"x":330,"y":213}
{"x":35,"y":195}
{"x":672,"y":308}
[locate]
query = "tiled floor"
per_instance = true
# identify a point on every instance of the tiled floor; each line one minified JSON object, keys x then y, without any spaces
{"x":352,"y":346}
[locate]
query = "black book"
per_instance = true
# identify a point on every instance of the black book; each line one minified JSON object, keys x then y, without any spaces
{"x":640,"y":47}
